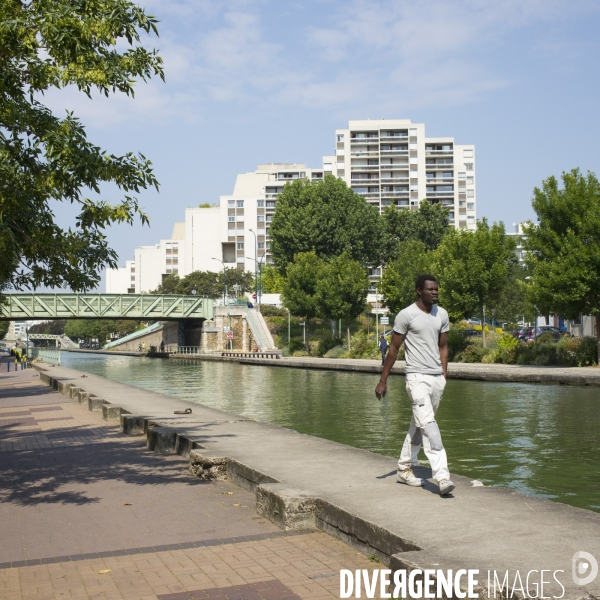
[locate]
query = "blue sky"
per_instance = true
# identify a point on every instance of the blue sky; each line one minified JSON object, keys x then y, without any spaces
{"x":250,"y":81}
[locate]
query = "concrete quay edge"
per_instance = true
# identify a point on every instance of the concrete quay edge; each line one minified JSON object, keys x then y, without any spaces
{"x":301,"y":481}
{"x":468,"y":371}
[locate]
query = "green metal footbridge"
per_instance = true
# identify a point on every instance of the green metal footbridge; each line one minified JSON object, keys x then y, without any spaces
{"x":146,"y":307}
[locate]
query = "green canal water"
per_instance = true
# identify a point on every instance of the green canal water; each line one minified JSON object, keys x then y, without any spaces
{"x":543,"y":440}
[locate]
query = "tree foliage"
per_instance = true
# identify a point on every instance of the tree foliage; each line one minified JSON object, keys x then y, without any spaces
{"x":397,"y":282}
{"x":101,"y":329}
{"x":473,"y":268}
{"x":326,"y":217}
{"x":563,"y":250}
{"x":271,"y":280}
{"x":342,"y":287}
{"x":56,"y":327}
{"x":44,"y":158}
{"x":4,"y":325}
{"x":168,"y":285}
{"x":427,"y":225}
{"x":209,"y":284}
{"x":299,"y":292}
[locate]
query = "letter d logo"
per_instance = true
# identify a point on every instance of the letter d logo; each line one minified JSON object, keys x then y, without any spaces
{"x":585,"y":568}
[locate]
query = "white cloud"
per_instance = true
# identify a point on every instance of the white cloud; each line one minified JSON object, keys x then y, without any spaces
{"x":384,"y":55}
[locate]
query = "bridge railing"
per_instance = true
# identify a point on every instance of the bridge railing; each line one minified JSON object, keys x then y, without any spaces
{"x":189,"y":350}
{"x":47,"y":355}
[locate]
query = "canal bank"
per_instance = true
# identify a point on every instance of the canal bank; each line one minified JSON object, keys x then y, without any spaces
{"x":301,"y":480}
{"x":467,"y":371}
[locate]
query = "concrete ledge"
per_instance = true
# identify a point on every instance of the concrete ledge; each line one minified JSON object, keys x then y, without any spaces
{"x":111,"y":412}
{"x":133,"y":424}
{"x":287,"y":507}
{"x":95,"y":404}
{"x":162,"y":440}
{"x":208,"y":468}
{"x":74,"y":392}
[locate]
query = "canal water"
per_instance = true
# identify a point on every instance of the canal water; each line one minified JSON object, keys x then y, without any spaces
{"x":543,"y":440}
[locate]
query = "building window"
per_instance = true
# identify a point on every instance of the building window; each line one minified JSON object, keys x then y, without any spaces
{"x":240,"y":245}
{"x":231,"y":219}
{"x":269,"y":218}
{"x":270,"y":203}
{"x":340,"y":137}
{"x":471,"y":220}
{"x":261,"y":245}
{"x":469,"y":166}
{"x":260,"y":203}
{"x":231,"y":203}
{"x":260,"y":218}
{"x":470,"y":193}
{"x":240,"y":218}
{"x":467,"y":153}
{"x":470,"y":205}
{"x":471,"y":180}
{"x":240,"y":203}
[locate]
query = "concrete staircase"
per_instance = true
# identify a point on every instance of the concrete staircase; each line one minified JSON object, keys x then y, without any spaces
{"x":259,"y":330}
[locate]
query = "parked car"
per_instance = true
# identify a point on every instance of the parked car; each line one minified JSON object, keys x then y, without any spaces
{"x":469,"y":332}
{"x":534,"y":333}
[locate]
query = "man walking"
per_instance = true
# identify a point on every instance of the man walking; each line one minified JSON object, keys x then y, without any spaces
{"x":383,"y":346}
{"x":423,"y":328}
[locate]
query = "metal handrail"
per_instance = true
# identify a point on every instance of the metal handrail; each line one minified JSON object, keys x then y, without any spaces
{"x":50,"y":356}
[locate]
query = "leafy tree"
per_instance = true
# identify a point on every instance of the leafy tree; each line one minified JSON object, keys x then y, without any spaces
{"x":209,"y":284}
{"x":168,"y":285}
{"x":272,"y":281}
{"x":326,"y":217}
{"x":563,"y":250}
{"x":473,"y":268}
{"x":427,"y":225}
{"x":341,"y":290}
{"x":513,"y":303}
{"x":101,"y":329}
{"x":4,"y":325}
{"x":56,"y":327}
{"x":45,"y":159}
{"x":206,"y":284}
{"x":397,"y":282}
{"x":299,"y":292}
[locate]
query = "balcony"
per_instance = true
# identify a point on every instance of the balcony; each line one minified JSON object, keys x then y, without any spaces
{"x":364,"y":167}
{"x":394,"y":138}
{"x":364,"y":140}
{"x":369,"y":194}
{"x":365,"y":182}
{"x":394,"y":180}
{"x":394,"y":153}
{"x":394,"y":194}
{"x":439,"y":194}
{"x":434,"y":152}
{"x":443,"y":180}
{"x":364,"y":153}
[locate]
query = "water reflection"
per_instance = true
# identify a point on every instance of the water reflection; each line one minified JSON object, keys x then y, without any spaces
{"x":541,"y":440}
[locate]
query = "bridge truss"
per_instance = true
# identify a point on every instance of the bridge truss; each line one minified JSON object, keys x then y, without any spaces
{"x":144,"y":307}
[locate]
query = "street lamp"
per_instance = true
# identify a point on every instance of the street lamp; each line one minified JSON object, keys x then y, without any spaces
{"x":194,"y":292}
{"x":255,"y":261}
{"x":224,"y":282}
{"x":259,"y":288}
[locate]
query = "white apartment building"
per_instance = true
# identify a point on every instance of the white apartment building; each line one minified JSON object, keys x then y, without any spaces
{"x":391,"y":162}
{"x":386,"y":162}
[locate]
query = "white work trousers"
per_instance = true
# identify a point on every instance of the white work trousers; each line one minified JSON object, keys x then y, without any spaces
{"x":425,"y":393}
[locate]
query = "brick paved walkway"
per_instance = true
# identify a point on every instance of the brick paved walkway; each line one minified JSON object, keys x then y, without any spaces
{"x":87,"y":512}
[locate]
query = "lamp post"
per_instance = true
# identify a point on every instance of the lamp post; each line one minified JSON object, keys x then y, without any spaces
{"x":376,"y":314}
{"x":289,"y":329}
{"x":224,"y":282}
{"x":259,"y":288}
{"x":304,"y":331}
{"x":255,"y":261}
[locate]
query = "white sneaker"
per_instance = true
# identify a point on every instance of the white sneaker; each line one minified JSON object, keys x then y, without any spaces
{"x":408,"y":477}
{"x":446,"y":486}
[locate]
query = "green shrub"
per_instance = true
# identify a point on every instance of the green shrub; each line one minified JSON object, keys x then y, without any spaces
{"x":300,"y":353}
{"x":361,"y":346}
{"x":268,"y":310}
{"x":326,"y":344}
{"x":336,"y":352}
{"x":457,"y":342}
{"x":545,"y":338}
{"x":295,"y":346}
{"x":473,"y":353}
{"x":577,"y":352}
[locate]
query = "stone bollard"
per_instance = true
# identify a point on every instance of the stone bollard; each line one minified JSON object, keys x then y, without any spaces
{"x":95,"y":404}
{"x":132,"y":424}
{"x":111,"y":412}
{"x":73,"y":392}
{"x":161,"y":440}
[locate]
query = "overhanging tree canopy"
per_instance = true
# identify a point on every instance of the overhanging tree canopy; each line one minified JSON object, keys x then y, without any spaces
{"x":45,"y":158}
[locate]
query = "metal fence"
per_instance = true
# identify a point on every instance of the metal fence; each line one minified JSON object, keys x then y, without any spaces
{"x":189,"y":350}
{"x":46,"y":354}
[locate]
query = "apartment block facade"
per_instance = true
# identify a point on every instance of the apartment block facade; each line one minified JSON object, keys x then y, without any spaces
{"x":392,"y":162}
{"x":389,"y":163}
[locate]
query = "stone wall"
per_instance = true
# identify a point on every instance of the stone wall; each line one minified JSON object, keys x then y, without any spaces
{"x":215,"y":339}
{"x":168,"y":334}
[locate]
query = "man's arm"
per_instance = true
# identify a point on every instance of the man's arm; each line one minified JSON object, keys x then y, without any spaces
{"x":397,"y":339}
{"x":443,"y":344}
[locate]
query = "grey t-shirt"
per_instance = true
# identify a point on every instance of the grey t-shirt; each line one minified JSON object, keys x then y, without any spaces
{"x":422,"y":333}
